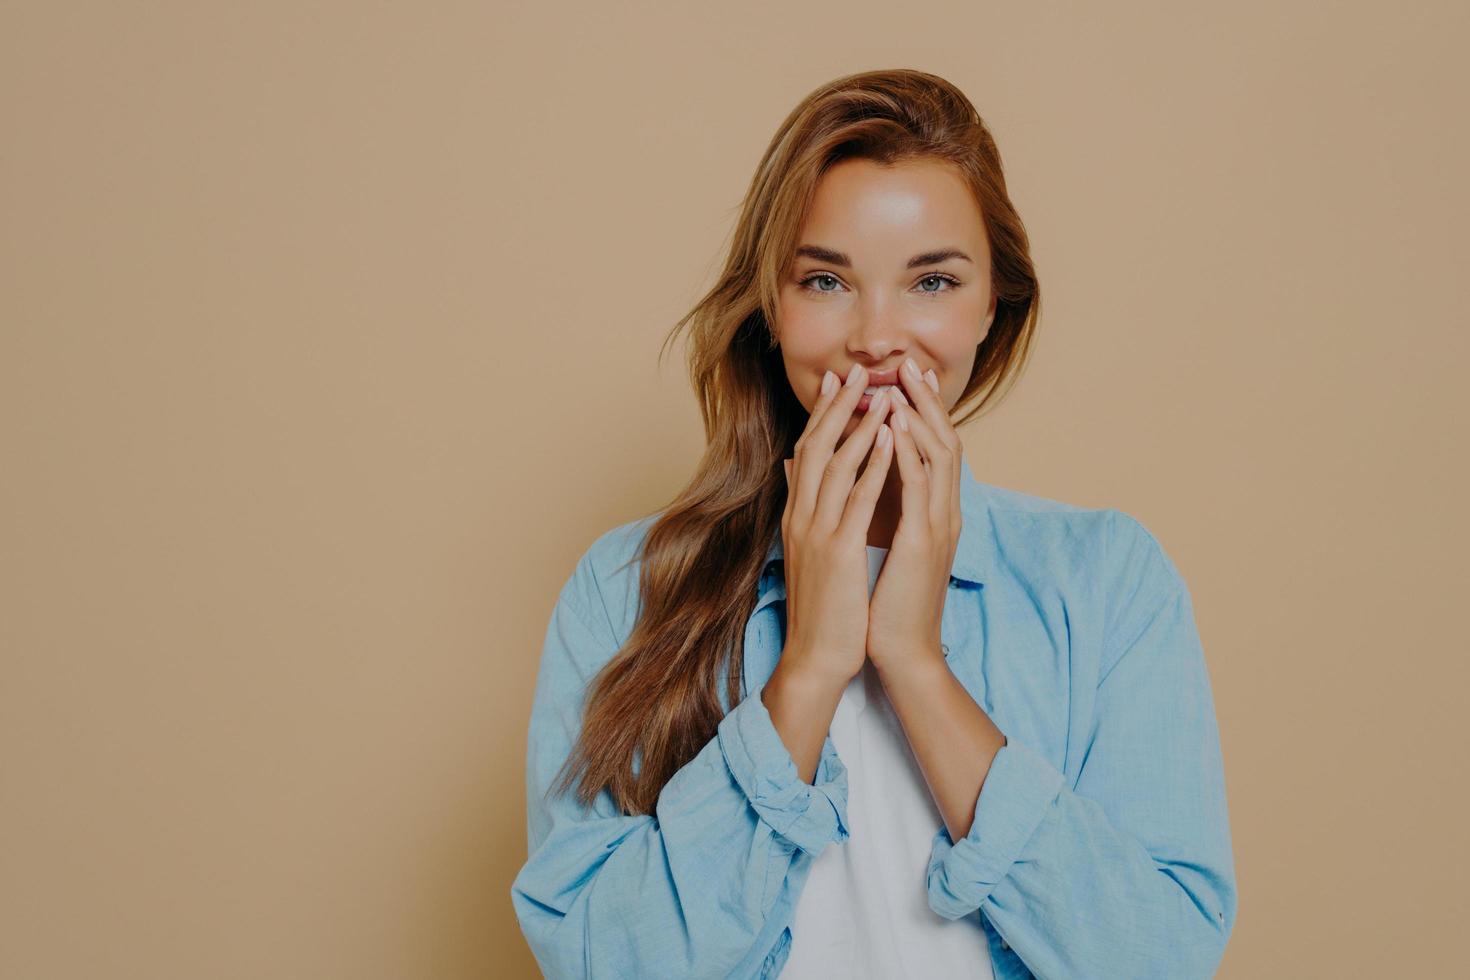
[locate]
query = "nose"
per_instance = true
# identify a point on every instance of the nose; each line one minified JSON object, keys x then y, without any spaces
{"x":876,"y":332}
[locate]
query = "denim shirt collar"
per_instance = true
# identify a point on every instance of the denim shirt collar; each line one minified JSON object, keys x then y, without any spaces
{"x":973,"y":554}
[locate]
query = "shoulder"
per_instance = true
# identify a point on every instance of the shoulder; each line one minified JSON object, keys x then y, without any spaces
{"x":1136,"y":554}
{"x":618,"y":545}
{"x":1103,"y":557}
{"x":609,"y":569}
{"x":1044,"y":539}
{"x":1111,"y":538}
{"x":1104,"y":551}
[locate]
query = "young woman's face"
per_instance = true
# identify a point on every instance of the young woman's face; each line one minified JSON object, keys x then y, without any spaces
{"x":892,"y":262}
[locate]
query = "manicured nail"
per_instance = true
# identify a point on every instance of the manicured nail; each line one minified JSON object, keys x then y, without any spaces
{"x":911,"y":367}
{"x":829,"y":381}
{"x":852,"y":374}
{"x":883,"y":436}
{"x":933,"y":380}
{"x":903,"y":422}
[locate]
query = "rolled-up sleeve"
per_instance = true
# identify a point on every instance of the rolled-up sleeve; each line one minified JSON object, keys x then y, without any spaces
{"x":687,"y":890}
{"x":1019,"y":789}
{"x":809,"y":815}
{"x":1129,"y":871}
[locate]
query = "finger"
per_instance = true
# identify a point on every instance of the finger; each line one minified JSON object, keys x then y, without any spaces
{"x":923,"y":396}
{"x":814,"y":448}
{"x":826,"y":392}
{"x":864,"y":497}
{"x":955,"y":443}
{"x":939,"y":459}
{"x":841,"y":471}
{"x":831,"y":387}
{"x":938,"y":418}
{"x":911,"y":471}
{"x":933,"y":382}
{"x":954,"y":493}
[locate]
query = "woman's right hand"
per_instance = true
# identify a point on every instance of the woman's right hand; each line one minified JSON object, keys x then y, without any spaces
{"x":824,"y":531}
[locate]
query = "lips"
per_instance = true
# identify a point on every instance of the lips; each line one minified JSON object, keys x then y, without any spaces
{"x":877,"y":379}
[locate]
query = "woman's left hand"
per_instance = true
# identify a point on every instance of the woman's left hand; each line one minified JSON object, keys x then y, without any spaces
{"x":905,"y":611}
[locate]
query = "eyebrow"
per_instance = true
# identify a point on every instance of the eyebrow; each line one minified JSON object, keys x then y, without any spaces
{"x":835,"y":257}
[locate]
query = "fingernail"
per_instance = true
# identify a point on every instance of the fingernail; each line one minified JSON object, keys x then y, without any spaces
{"x":911,"y":367}
{"x":903,"y":422}
{"x":899,"y":393}
{"x":933,"y":380}
{"x":829,"y":381}
{"x":852,"y":374}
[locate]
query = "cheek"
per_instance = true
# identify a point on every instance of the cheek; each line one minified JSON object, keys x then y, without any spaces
{"x":806,"y":353}
{"x":951,"y":348}
{"x":960,"y":331}
{"x":955,"y":340}
{"x":804,"y":377}
{"x":957,"y":361}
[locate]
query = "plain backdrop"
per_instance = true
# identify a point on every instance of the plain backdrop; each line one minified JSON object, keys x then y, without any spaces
{"x":329,"y":339}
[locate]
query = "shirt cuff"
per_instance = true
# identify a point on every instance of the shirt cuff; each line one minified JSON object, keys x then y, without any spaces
{"x":1018,"y":789}
{"x":808,"y":816}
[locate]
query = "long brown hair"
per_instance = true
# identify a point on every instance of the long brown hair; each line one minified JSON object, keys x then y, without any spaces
{"x":655,"y":704}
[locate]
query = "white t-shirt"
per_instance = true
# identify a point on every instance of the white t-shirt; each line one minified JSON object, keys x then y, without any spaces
{"x":864,"y":911}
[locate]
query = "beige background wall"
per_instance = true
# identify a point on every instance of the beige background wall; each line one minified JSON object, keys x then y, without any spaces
{"x":328,"y":340}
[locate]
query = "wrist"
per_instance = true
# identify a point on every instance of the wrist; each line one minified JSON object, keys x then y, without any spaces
{"x":801,"y":674}
{"x":924,"y":669}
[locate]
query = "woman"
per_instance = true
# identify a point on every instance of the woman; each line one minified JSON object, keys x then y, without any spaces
{"x":998,"y":755}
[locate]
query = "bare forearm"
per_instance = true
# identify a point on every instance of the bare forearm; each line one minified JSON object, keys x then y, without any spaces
{"x":953,"y":739}
{"x":801,"y":707}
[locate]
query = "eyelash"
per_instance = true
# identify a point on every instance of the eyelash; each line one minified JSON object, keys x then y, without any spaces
{"x":953,"y":283}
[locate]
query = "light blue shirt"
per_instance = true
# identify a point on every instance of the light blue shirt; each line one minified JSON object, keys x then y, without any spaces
{"x":1100,"y":845}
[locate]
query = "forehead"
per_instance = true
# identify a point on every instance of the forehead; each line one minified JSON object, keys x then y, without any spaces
{"x":876,"y":212}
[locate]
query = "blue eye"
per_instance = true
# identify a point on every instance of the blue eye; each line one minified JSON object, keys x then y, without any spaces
{"x":936,"y":276}
{"x":953,"y":282}
{"x":805,"y":283}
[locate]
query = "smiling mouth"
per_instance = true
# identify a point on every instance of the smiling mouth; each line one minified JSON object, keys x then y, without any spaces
{"x":866,"y":401}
